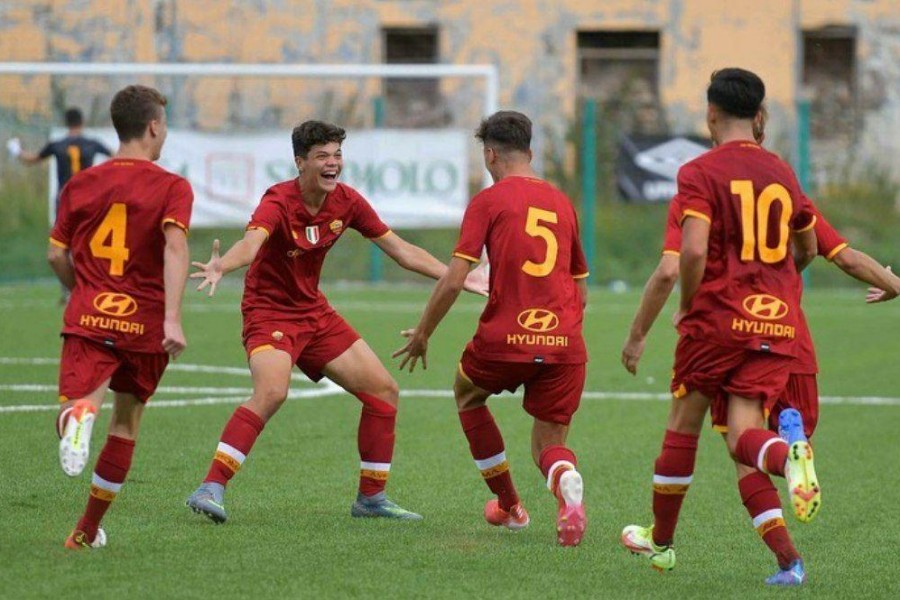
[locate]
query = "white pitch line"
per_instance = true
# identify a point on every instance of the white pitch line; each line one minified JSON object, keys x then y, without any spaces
{"x":181,"y":367}
{"x":179,"y":403}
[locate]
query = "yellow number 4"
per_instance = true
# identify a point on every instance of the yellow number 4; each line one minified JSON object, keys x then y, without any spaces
{"x":534,"y":228}
{"x":109,"y":240}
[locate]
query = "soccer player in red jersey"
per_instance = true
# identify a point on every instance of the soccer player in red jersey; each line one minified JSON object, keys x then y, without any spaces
{"x":288,"y":321}
{"x":742,"y":211}
{"x":530,"y":332}
{"x":801,"y":392}
{"x":120,"y":244}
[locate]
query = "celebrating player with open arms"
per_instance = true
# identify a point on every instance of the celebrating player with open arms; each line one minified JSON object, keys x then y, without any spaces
{"x":741,"y":211}
{"x":530,"y":332}
{"x":288,"y":321}
{"x":120,"y":245}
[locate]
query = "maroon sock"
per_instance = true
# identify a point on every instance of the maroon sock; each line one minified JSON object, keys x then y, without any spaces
{"x":764,"y":506}
{"x":486,"y":445}
{"x":109,"y":475}
{"x":554,"y":461}
{"x":672,"y":477}
{"x":763,"y":450}
{"x":237,"y":439}
{"x":375,"y":440}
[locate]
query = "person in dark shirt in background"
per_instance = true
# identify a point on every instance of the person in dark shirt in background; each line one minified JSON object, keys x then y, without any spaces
{"x":73,"y":153}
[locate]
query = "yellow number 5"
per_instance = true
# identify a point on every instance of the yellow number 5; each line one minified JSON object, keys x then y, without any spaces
{"x":109,"y":240}
{"x":534,"y":228}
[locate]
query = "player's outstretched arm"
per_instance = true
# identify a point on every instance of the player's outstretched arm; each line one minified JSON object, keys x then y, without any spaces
{"x":416,"y":259}
{"x":61,"y":263}
{"x":657,"y":291}
{"x":176,"y":257}
{"x":238,"y":256}
{"x":14,"y":147}
{"x":442,"y":298}
{"x":858,"y":264}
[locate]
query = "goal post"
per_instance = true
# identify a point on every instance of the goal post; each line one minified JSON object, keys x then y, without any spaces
{"x":486,"y":74}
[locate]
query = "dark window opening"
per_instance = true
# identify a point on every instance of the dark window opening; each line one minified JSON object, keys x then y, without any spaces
{"x":412,"y":102}
{"x":620,"y":69}
{"x":829,"y":79}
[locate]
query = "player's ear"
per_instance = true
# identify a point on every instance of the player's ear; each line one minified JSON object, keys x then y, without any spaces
{"x":300,"y":162}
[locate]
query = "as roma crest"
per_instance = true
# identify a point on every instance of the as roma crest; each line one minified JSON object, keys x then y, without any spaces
{"x":312,"y":234}
{"x":336,"y":226}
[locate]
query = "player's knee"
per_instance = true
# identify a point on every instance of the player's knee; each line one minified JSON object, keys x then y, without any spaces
{"x":271,"y":395}
{"x":390,"y":392}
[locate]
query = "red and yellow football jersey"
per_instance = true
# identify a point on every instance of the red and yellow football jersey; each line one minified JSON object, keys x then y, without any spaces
{"x":830,"y":242}
{"x":534,"y":311}
{"x":750,"y":293}
{"x":283,"y":279}
{"x":111,"y":218}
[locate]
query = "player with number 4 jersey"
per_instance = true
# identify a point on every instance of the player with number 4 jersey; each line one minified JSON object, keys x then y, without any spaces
{"x":120,"y":244}
{"x":530,"y":331}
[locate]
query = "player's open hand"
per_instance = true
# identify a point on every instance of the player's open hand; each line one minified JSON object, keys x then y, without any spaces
{"x":631,"y":353}
{"x":478,"y":280}
{"x":174,"y":342}
{"x":879,"y":295}
{"x":416,"y":347}
{"x":210,"y":272}
{"x":14,"y":147}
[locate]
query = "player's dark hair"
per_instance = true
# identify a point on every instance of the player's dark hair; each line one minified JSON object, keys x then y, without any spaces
{"x":73,"y":118}
{"x":133,"y":108}
{"x":738,"y":92}
{"x":315,"y":133}
{"x":506,"y":130}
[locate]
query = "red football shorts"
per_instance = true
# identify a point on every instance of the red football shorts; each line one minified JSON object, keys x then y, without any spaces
{"x":312,"y":341}
{"x":711,"y":369}
{"x":86,"y":364}
{"x":801,"y":393}
{"x":552,"y":392}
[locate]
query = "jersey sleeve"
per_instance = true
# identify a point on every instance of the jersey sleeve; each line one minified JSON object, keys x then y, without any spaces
{"x":179,"y":202}
{"x":829,"y":240}
{"x":672,"y":236}
{"x":103,"y":148}
{"x":366,"y":220}
{"x":693,"y":197}
{"x":804,"y":218}
{"x":474,"y":229}
{"x":61,"y":234}
{"x":46,"y":151}
{"x":267,"y":216}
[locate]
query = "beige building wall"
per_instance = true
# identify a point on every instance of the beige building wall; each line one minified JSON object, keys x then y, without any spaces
{"x":533,"y":43}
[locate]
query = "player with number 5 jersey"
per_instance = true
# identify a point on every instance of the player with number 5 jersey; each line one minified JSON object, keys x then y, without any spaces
{"x":120,"y":244}
{"x":530,"y":331}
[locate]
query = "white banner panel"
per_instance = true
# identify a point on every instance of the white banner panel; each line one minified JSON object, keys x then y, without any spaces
{"x":413,"y":178}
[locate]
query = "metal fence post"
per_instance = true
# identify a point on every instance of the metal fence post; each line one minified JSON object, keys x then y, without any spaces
{"x":589,"y":183}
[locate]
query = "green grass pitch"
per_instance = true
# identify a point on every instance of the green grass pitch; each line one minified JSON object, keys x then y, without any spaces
{"x":290,"y":533}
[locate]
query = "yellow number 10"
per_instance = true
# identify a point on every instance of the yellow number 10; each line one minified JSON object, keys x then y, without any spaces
{"x":758,"y":210}
{"x":534,"y":228}
{"x":109,"y":240}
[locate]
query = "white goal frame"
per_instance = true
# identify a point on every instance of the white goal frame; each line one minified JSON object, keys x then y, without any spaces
{"x":489,"y":73}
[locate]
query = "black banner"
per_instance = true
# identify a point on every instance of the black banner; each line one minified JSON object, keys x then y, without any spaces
{"x":648,"y":164}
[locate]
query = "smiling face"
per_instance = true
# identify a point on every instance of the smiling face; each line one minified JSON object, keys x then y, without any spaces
{"x":321,"y":167}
